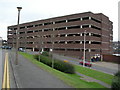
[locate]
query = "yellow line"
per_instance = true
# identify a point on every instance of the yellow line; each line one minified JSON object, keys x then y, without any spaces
{"x":6,"y":80}
{"x":4,"y":77}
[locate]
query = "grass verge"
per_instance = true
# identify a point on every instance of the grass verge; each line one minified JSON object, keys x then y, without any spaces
{"x":107,"y":78}
{"x":71,"y":79}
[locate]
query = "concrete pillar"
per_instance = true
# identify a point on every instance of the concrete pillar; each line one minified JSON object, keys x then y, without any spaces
{"x":42,"y":49}
{"x":66,"y":27}
{"x":89,"y":42}
{"x":89,"y":34}
{"x":33,"y":49}
{"x":66,"y":42}
{"x":81,"y":19}
{"x":53,"y":22}
{"x":80,"y":42}
{"x":89,"y":18}
{"x":89,"y":50}
{"x":89,"y":26}
{"x":80,"y":26}
{"x":53,"y":29}
{"x":65,"y":35}
{"x":81,"y":34}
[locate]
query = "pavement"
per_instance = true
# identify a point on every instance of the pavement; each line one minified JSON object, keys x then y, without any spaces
{"x":28,"y":75}
{"x":90,"y":79}
{"x":112,"y":66}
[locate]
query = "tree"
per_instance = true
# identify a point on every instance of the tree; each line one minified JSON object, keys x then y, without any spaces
{"x":116,"y":81}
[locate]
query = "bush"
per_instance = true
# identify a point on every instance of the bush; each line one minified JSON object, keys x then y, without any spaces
{"x":45,"y":53}
{"x":58,"y":64}
{"x":64,"y":66}
{"x":36,"y":57}
{"x":46,"y":60}
{"x":116,"y":81}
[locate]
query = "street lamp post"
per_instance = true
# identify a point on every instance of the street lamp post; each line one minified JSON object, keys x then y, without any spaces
{"x":40,"y":45}
{"x":52,"y":52}
{"x":16,"y":61}
{"x":84,"y":56}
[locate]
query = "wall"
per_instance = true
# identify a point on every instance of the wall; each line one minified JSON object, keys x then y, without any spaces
{"x":111,"y":58}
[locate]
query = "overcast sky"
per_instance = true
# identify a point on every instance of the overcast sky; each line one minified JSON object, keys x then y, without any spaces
{"x":43,"y":9}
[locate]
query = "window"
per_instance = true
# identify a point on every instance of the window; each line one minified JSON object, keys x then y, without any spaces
{"x":96,"y":50}
{"x":48,"y":23}
{"x":85,"y":18}
{"x":29,"y":42}
{"x":48,"y":29}
{"x":73,"y":27}
{"x":62,"y":42}
{"x":29,"y":26}
{"x":69,"y":42}
{"x":37,"y":25}
{"x":86,"y":42}
{"x":95,"y":27}
{"x":21,"y":32}
{"x":29,"y":31}
{"x":73,"y":49}
{"x":94,"y":42}
{"x":40,"y":30}
{"x":56,"y":42}
{"x":96,"y":35}
{"x":15,"y":28}
{"x":62,"y":21}
{"x":22,"y":27}
{"x":36,"y":30}
{"x":49,"y":42}
{"x":77,"y":42}
{"x":75,"y":19}
{"x":62,"y":35}
{"x":60,"y":28}
{"x":61,"y":49}
{"x":85,"y":26}
{"x":95,"y":20}
{"x":29,"y":37}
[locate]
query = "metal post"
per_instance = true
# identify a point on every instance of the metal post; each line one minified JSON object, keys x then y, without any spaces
{"x":39,"y":46}
{"x":16,"y":61}
{"x":52,"y":53}
{"x":84,"y":56}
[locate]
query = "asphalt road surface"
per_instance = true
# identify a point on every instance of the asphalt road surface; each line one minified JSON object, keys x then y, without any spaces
{"x":76,"y":61}
{"x":2,"y":59}
{"x":1,"y":68}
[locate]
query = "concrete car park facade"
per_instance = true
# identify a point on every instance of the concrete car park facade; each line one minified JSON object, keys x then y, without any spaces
{"x":65,"y":34}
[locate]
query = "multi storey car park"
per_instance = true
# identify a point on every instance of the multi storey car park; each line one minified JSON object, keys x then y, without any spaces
{"x":65,"y":34}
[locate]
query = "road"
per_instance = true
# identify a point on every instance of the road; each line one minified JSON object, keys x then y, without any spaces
{"x":75,"y":61}
{"x":1,"y":68}
{"x":2,"y":58}
{"x":94,"y":66}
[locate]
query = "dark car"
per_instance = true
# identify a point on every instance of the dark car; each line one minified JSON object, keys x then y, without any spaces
{"x":6,"y":47}
{"x":87,"y":63}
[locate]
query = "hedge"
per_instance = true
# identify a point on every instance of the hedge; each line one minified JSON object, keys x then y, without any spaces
{"x":58,"y":64}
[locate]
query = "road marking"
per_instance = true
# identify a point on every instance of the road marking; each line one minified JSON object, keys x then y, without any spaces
{"x":6,"y":80}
